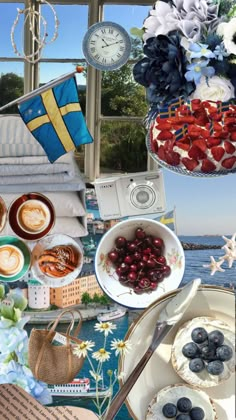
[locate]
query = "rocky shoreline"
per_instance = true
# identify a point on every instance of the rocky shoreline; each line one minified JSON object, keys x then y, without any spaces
{"x":191,"y":247}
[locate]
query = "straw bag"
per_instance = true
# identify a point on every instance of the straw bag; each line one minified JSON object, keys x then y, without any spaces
{"x":55,"y":364}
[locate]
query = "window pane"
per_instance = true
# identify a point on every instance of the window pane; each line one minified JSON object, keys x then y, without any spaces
{"x":8,"y":14}
{"x":11,"y":86}
{"x":123,"y":147}
{"x":73,"y":24}
{"x":128,"y":16}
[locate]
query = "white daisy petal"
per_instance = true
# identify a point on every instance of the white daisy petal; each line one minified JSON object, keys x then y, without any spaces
{"x":82,"y":349}
{"x":105,"y":327}
{"x":101,"y":355}
{"x":121,"y":347}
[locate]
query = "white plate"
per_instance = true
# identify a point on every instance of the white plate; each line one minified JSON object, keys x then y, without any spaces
{"x":209,"y":301}
{"x":49,"y":242}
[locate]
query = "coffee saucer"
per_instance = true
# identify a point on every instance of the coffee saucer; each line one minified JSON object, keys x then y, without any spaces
{"x":3,"y":214}
{"x":12,"y":240}
{"x":13,"y":219}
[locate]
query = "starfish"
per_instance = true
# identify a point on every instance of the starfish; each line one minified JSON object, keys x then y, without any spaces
{"x":214,"y":265}
{"x":230,"y":243}
{"x":229,"y":256}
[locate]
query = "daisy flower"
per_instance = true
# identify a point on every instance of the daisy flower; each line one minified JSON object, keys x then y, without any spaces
{"x":95,"y":376}
{"x":120,"y":346}
{"x":105,"y":327}
{"x":101,"y":355}
{"x":82,"y":349}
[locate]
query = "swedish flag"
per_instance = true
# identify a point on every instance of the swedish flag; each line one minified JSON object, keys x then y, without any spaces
{"x":166,"y":112}
{"x":55,"y":119}
{"x":222,"y":106}
{"x":176,"y":103}
{"x":179,"y":134}
{"x":168,"y":219}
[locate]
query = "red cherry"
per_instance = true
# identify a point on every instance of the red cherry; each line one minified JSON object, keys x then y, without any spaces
{"x":124,"y":268}
{"x":133,"y":267}
{"x":123,"y":279}
{"x":145,"y":258}
{"x":128,"y":259}
{"x":151,"y":263}
{"x":113,"y":256}
{"x":166,"y":270}
{"x":161,"y":259}
{"x":118,"y":271}
{"x":147,"y":251}
{"x":153,"y":285}
{"x":141,"y":265}
{"x":140,"y":233}
{"x":156,"y":251}
{"x":132,"y":247}
{"x":120,"y":242}
{"x":132,"y":276}
{"x":158,"y":242}
{"x":144,"y":283}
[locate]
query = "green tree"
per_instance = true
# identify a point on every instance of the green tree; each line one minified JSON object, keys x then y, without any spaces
{"x":96,"y":298}
{"x":11,"y":87}
{"x":86,"y":298}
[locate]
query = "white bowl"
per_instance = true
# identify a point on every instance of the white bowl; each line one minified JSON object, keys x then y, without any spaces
{"x":105,"y":270}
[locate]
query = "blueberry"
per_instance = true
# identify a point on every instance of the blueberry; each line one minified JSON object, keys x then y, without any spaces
{"x":197,"y":413}
{"x":169,"y":410}
{"x":196,"y":365}
{"x":184,"y":405}
{"x":183,"y":417}
{"x":208,"y":353}
{"x":224,"y":353}
{"x":199,"y":335}
{"x":216,"y":337}
{"x":215,"y":368}
{"x":190,"y":350}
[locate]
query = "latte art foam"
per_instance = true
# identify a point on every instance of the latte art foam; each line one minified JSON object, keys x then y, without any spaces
{"x":11,"y":260}
{"x":33,"y":216}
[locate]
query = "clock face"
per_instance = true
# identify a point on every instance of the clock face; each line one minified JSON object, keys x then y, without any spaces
{"x":106,"y":46}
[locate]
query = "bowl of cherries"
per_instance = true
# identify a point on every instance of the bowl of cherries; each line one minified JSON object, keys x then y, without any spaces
{"x":137,"y":261}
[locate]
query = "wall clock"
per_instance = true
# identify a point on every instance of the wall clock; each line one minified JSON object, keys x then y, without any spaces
{"x":106,"y":46}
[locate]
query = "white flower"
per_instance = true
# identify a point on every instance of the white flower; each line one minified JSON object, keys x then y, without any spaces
{"x":228,"y":31}
{"x":214,"y":89}
{"x":101,"y":355}
{"x":120,"y":346}
{"x":160,"y":21}
{"x":95,"y":376}
{"x":105,"y":327}
{"x":82,"y":349}
{"x":121,"y":376}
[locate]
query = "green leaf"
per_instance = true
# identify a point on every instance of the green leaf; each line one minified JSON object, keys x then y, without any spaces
{"x":20,"y":302}
{"x":17,"y":314}
{"x":2,"y":291}
{"x":7,"y":308}
{"x":137,"y":32}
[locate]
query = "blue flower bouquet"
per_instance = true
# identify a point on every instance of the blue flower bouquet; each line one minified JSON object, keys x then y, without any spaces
{"x":189,"y":72}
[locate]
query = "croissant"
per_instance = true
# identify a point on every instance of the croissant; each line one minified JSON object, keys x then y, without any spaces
{"x":59,"y":260}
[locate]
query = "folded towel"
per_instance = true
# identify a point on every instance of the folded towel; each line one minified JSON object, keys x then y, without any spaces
{"x":38,"y":172}
{"x":75,"y":184}
{"x":16,"y":139}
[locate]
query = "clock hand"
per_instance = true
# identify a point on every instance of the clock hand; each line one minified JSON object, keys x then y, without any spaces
{"x":108,"y":45}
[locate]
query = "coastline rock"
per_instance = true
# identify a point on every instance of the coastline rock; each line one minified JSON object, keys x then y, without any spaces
{"x":191,"y":247}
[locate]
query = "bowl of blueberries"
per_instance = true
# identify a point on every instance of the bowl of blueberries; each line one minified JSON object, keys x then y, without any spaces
{"x":137,"y":261}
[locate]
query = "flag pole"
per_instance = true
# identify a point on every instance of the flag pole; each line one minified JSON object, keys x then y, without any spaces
{"x":43,"y":88}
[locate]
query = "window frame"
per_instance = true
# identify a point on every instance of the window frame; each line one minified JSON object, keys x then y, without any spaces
{"x":94,"y":118}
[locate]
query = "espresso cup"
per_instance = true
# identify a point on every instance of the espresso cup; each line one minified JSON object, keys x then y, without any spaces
{"x":33,"y":216}
{"x":11,"y":260}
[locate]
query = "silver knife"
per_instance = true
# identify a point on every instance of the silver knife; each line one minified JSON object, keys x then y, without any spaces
{"x":168,"y":318}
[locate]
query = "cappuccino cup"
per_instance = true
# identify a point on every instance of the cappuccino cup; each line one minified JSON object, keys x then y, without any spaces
{"x":33,"y":216}
{"x":11,"y":260}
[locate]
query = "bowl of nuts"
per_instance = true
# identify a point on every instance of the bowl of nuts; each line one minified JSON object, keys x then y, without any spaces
{"x":137,"y":261}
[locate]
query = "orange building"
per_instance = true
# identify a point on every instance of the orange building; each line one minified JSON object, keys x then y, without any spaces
{"x":72,"y":294}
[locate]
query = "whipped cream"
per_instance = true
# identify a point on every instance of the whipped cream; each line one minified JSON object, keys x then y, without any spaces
{"x":172,"y":393}
{"x":181,"y":363}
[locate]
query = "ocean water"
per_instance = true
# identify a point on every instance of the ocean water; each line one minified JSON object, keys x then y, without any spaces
{"x":194,"y":261}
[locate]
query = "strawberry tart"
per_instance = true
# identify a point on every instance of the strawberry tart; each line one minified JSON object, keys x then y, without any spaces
{"x":198,"y":136}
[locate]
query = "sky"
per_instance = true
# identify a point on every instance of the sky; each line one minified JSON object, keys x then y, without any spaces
{"x":204,"y":206}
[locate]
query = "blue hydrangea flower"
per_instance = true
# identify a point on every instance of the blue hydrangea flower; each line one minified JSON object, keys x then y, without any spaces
{"x":12,"y":339}
{"x":14,"y":373}
{"x":220,"y":52}
{"x":197,"y":70}
{"x":198,"y":50}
